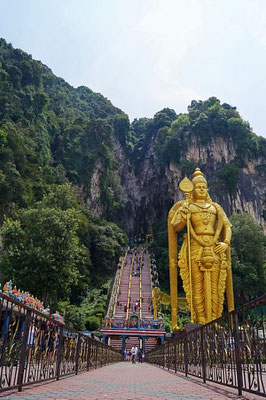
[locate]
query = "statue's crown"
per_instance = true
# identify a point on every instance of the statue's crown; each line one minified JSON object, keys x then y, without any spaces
{"x":198,"y":176}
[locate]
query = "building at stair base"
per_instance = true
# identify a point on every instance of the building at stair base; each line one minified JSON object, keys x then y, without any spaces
{"x":122,"y":339}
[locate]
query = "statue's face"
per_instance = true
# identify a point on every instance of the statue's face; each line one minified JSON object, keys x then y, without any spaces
{"x":200,"y":191}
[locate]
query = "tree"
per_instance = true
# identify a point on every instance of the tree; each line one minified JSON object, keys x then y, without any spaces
{"x":41,"y":252}
{"x":60,"y":196}
{"x":121,"y":128}
{"x":106,"y":244}
{"x":229,"y":174}
{"x":248,"y":258}
{"x":176,"y":140}
{"x":40,"y":101}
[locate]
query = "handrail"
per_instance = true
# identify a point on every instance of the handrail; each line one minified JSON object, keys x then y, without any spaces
{"x":35,"y":347}
{"x":118,"y":286}
{"x":111,"y":297}
{"x":152,"y":291}
{"x":228,"y":351}
{"x":140,"y":284}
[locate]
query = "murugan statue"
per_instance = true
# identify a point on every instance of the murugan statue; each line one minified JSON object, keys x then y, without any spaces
{"x":204,"y":259}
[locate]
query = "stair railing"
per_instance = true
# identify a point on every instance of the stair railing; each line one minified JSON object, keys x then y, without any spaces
{"x":116,"y":290}
{"x":111,"y":295}
{"x":140,"y":285}
{"x":154,"y":304}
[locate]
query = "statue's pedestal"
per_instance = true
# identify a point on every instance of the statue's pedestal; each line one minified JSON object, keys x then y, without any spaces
{"x":190,"y":327}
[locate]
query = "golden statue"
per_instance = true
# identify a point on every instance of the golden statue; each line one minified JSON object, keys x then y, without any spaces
{"x":204,"y":259}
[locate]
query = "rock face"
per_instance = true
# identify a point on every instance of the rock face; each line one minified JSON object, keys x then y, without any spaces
{"x":150,"y":192}
{"x":93,"y":201}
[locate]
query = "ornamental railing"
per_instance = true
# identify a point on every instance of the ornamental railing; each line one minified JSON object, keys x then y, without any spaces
{"x":115,"y":287}
{"x":34,"y":347}
{"x":143,"y":324}
{"x":230,"y":350}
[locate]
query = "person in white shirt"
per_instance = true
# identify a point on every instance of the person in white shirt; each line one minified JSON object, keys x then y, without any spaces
{"x":134,"y":352}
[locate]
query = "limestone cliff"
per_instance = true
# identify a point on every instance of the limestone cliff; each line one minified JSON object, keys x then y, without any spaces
{"x":150,"y":191}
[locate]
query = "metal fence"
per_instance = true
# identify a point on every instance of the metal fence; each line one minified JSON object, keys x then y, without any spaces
{"x":230,"y":350}
{"x":35,"y":347}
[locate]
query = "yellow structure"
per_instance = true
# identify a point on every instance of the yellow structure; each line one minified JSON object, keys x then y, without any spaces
{"x":160,"y":297}
{"x":204,"y":259}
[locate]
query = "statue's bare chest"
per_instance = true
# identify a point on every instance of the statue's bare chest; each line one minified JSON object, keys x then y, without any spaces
{"x":203,"y":217}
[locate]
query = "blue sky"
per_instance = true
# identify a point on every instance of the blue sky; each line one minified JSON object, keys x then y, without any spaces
{"x":145,"y":55}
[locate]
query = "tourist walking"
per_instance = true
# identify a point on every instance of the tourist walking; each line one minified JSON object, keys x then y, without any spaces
{"x":134,"y":352}
{"x":124,"y":355}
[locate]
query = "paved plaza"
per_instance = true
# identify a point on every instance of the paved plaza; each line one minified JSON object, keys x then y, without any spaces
{"x":124,"y":381}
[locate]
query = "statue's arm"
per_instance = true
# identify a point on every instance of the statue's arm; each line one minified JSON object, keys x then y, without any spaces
{"x":227,"y":234}
{"x":178,"y":221}
{"x":226,"y":231}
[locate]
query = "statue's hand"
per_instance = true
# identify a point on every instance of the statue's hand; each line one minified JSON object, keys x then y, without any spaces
{"x":220,"y":247}
{"x":184,"y":211}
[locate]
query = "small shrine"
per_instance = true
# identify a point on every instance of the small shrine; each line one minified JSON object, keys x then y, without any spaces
{"x":28,"y":300}
{"x":133,"y":321}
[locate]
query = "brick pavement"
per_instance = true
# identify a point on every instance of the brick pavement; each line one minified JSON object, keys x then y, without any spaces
{"x":124,"y":381}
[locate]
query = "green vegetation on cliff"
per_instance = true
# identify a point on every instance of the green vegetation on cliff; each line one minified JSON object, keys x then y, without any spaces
{"x":50,"y":133}
{"x":205,"y":121}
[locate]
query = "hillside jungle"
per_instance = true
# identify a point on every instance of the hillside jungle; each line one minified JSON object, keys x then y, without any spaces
{"x":54,"y":243}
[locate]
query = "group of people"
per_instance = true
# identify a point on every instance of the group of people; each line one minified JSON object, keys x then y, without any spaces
{"x":134,"y":355}
{"x":131,"y":306}
{"x":136,"y":240}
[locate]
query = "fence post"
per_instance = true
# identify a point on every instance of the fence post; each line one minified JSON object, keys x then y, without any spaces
{"x":96,"y":355}
{"x":23,"y":351}
{"x":59,"y":355}
{"x":186,"y":354}
{"x":102,"y":355}
{"x":237,"y":354}
{"x":175,"y":356}
{"x":168,"y":357}
{"x":88,"y":355}
{"x":77,"y":354}
{"x":202,"y":349}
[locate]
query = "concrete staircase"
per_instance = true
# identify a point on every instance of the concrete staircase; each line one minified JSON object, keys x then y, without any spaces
{"x":146,"y":293}
{"x":135,"y":295}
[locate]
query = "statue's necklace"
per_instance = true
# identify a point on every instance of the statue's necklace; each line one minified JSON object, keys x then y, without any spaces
{"x":205,"y":213}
